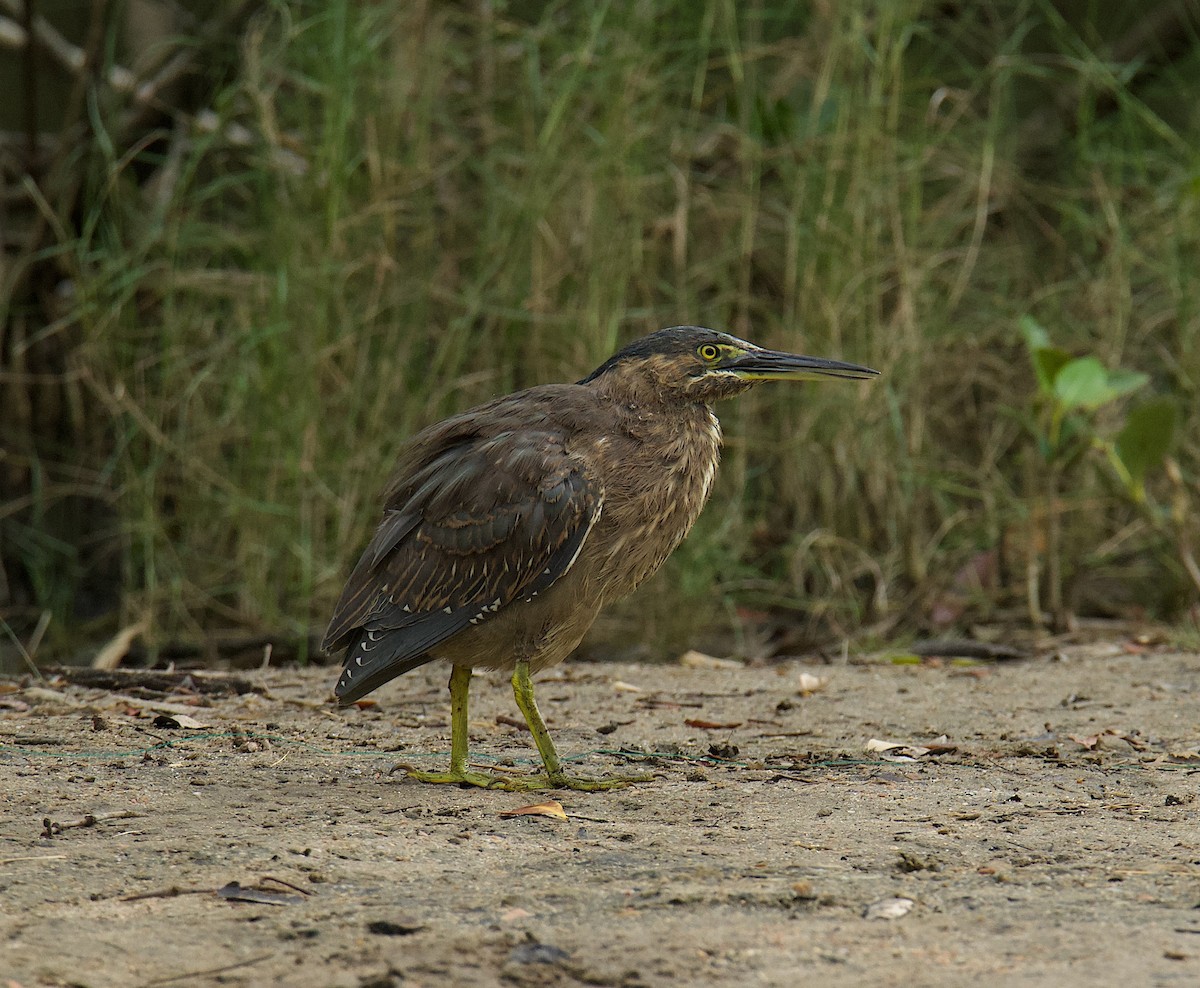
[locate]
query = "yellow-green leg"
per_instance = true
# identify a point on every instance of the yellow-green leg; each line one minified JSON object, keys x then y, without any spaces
{"x":460,"y":774}
{"x":460,"y":697}
{"x":555,"y":777}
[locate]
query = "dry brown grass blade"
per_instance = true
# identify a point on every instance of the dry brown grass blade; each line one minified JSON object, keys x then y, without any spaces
{"x":110,"y":656}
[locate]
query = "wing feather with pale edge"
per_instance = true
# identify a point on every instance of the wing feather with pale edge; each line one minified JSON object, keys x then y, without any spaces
{"x":482,"y":523}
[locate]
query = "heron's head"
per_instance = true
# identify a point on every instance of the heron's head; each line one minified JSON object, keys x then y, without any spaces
{"x":693,"y":364}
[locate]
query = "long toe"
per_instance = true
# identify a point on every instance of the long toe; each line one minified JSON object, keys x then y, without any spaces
{"x":480,"y":779}
{"x":507,"y":783}
{"x":560,"y":780}
{"x":523,"y":783}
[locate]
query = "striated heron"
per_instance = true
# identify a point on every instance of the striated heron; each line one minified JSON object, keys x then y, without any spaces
{"x":507,"y":528}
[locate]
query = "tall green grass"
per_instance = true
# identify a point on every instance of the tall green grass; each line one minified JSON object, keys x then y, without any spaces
{"x":444,"y":202}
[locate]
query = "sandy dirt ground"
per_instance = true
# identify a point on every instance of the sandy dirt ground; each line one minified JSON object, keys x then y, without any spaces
{"x":1039,"y":829}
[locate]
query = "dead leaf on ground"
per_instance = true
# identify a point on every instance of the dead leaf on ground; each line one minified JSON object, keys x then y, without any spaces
{"x":136,"y":707}
{"x":178,"y":720}
{"x":1105,"y":738}
{"x":698,"y":660}
{"x":388,"y":928}
{"x":713,"y":725}
{"x":551,"y":808}
{"x":42,"y":694}
{"x":236,"y":892}
{"x":906,"y":751}
{"x":892,"y":907}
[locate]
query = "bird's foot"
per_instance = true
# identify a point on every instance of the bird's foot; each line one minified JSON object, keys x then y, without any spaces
{"x":521,"y":783}
{"x":454,"y":778}
{"x":564,"y":781}
{"x":561,"y":780}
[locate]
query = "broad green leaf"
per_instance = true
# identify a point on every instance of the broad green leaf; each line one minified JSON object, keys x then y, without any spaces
{"x":1082,"y":383}
{"x":1047,"y":362}
{"x":1086,"y":383}
{"x":1036,"y":337}
{"x":1147,"y":436}
{"x":1122,"y":382}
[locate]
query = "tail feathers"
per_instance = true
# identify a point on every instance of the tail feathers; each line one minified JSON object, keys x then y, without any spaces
{"x":369,"y":664}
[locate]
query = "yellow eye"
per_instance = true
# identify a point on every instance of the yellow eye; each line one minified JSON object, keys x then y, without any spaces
{"x":708,"y":352}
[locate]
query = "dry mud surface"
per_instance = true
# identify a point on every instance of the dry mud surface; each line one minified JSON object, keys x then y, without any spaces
{"x":1051,"y":838}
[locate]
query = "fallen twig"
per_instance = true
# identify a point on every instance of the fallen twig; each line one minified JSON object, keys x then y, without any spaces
{"x":52,"y":827}
{"x":210,"y":971}
{"x":280,"y":881}
{"x":212,"y":684}
{"x":168,"y":893}
{"x":33,"y":857}
{"x":966,"y":649}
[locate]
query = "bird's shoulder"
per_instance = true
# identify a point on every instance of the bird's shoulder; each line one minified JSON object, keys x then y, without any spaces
{"x":505,"y":446}
{"x":565,"y":407}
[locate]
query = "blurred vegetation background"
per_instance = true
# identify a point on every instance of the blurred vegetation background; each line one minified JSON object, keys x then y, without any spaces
{"x":249,"y":248}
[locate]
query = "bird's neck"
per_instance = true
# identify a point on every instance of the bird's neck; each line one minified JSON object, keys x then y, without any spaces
{"x":658,"y":460}
{"x":646,"y":392}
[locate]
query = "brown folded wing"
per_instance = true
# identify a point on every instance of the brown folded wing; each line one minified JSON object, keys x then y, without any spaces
{"x":480,"y":523}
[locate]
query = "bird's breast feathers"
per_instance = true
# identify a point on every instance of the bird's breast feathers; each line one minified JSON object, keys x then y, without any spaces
{"x":653,"y":495}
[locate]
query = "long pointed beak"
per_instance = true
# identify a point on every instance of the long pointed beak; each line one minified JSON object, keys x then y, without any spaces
{"x":774,"y":365}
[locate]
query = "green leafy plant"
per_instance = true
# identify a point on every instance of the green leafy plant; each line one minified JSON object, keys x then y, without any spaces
{"x":1074,"y":389}
{"x":1077,"y":414}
